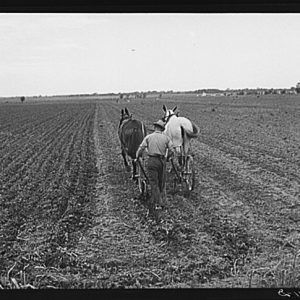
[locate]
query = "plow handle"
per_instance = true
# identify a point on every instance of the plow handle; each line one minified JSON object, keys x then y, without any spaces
{"x":142,"y":168}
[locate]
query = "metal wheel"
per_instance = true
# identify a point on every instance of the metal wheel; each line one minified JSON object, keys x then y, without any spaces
{"x":143,"y":187}
{"x":142,"y":184}
{"x":175,"y":182}
{"x":188,"y":175}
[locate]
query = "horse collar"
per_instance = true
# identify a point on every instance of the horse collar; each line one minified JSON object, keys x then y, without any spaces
{"x":169,"y":117}
{"x":122,"y":122}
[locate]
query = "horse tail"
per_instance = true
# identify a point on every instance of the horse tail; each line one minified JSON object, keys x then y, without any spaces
{"x":194,"y":133}
{"x":183,"y":132}
{"x":144,"y":130}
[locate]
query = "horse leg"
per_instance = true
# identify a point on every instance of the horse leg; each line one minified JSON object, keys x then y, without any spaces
{"x":125,"y":160}
{"x":134,"y":174}
{"x":180,"y":156}
{"x":187,"y":146}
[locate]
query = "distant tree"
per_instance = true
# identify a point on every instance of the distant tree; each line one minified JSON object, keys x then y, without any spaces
{"x":22,"y":99}
{"x":293,"y":90}
{"x":269,"y":91}
{"x":121,"y":96}
{"x":298,"y":88}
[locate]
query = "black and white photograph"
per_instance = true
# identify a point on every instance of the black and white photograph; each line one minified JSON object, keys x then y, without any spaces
{"x":150,"y":151}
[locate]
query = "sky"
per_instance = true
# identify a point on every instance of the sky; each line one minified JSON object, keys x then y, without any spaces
{"x":65,"y":53}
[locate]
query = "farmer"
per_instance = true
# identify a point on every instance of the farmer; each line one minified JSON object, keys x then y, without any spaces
{"x":157,"y":144}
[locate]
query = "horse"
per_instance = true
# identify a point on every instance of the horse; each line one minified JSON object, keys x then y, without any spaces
{"x":131,"y":133}
{"x":180,"y":129}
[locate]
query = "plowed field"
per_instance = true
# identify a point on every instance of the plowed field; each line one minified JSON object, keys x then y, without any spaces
{"x":71,"y":217}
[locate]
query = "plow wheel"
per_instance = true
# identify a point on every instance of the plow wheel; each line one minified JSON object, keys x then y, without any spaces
{"x":142,"y":183}
{"x":174,"y":186}
{"x":142,"y":186}
{"x":188,"y":176}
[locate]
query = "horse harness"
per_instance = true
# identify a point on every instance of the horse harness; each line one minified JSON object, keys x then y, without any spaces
{"x":169,"y":117}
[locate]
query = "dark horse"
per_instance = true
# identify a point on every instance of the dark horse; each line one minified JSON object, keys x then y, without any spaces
{"x":131,"y":134}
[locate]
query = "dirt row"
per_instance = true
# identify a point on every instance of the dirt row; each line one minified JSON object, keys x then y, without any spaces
{"x":87,"y":227}
{"x":46,"y":192}
{"x":242,"y":216}
{"x":132,"y":250}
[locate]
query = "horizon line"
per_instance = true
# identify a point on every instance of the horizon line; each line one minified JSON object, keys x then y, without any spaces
{"x":150,"y":91}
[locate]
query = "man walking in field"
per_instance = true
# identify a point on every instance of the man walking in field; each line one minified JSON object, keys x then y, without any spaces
{"x":157,"y":144}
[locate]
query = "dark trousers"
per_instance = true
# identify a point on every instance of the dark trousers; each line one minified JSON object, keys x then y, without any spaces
{"x":156,"y":174}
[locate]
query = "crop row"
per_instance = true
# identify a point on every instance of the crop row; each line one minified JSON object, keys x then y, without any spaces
{"x":48,"y":174}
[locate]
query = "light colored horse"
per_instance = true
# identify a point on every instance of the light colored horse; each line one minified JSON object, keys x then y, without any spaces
{"x":180,"y":129}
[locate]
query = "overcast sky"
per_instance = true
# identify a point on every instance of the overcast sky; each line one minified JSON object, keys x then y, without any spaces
{"x":50,"y":54}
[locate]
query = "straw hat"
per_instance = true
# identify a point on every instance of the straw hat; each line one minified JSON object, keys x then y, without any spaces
{"x":160,"y":124}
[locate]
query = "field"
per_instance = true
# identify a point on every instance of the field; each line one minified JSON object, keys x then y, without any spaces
{"x":71,"y":217}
